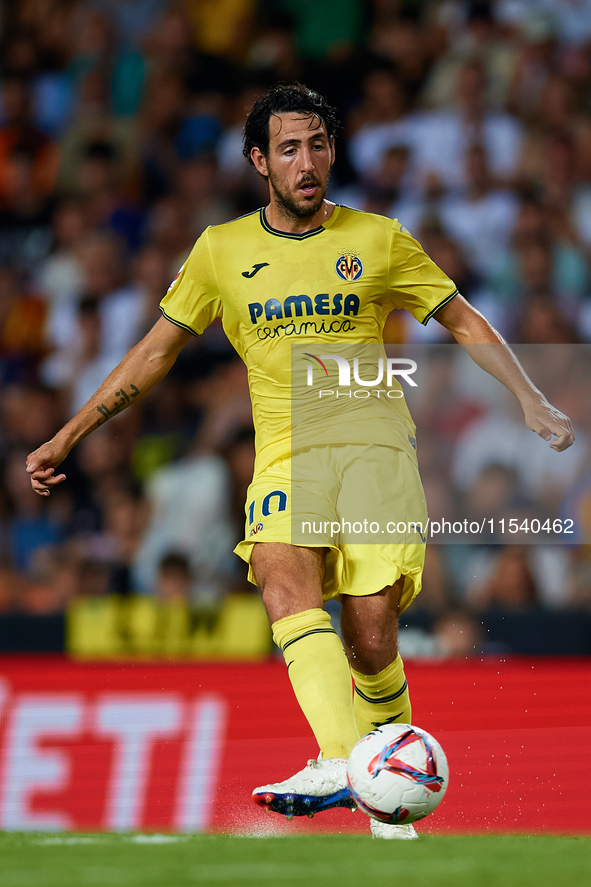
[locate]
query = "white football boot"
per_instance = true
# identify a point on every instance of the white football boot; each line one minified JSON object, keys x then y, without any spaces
{"x":392,"y":832}
{"x":322,"y":784}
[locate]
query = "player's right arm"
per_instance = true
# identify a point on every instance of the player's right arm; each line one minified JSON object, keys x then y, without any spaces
{"x":142,"y":368}
{"x":423,"y":289}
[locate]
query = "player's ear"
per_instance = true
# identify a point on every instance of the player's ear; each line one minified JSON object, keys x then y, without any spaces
{"x":332,"y":150}
{"x":259,"y":160}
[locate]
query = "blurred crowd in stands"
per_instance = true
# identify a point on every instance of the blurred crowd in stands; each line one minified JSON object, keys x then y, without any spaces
{"x":120,"y":141}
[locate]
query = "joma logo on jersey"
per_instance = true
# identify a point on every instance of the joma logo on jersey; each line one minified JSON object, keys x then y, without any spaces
{"x":297,"y":306}
{"x":349,"y":267}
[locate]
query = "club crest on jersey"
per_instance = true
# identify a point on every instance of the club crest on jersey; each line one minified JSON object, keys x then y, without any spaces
{"x":349,"y":267}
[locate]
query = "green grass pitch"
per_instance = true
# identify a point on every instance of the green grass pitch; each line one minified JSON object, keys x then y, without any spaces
{"x":67,"y":860}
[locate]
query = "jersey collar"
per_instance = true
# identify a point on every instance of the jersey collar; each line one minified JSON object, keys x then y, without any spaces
{"x":303,"y":236}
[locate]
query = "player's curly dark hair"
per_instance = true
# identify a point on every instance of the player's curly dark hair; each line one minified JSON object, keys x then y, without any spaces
{"x":285,"y":99}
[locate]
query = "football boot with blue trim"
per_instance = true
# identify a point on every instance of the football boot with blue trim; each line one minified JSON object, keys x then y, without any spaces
{"x":321,"y":785}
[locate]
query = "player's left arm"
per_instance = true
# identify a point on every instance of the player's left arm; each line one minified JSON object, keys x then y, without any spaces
{"x":489,"y":350}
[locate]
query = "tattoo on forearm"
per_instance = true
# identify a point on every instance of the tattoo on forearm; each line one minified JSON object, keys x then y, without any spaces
{"x":119,"y":405}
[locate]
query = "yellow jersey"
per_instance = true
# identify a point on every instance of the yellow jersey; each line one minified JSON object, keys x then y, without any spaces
{"x":334,"y":284}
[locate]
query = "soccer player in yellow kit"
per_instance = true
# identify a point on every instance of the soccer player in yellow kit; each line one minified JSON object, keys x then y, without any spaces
{"x":305,"y":271}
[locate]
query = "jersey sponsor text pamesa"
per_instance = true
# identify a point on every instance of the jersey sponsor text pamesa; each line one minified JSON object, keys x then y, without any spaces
{"x":296,"y":306}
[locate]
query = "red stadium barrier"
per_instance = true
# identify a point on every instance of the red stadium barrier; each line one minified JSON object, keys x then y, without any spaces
{"x":180,"y":747}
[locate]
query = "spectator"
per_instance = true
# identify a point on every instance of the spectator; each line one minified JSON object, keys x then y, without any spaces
{"x":27,"y":413}
{"x":481,"y":220}
{"x":479,"y":39}
{"x":11,"y":583}
{"x":538,"y":263}
{"x":60,"y":276}
{"x":100,"y":471}
{"x":500,"y":439}
{"x":406,"y":42}
{"x":190,"y":514}
{"x":380,"y":122}
{"x":239,"y":456}
{"x":326,"y":27}
{"x":77,"y":368}
{"x":543,"y":322}
{"x":25,"y":217}
{"x":457,"y":635}
{"x":22,"y":318}
{"x":31,"y":525}
{"x":51,"y":582}
{"x":169,"y":227}
{"x":18,"y":134}
{"x":119,"y":306}
{"x":443,"y":138}
{"x":132,"y":19}
{"x":536,"y":54}
{"x":495,"y":493}
{"x":200,"y":186}
{"x":223,"y":28}
{"x":124,"y":519}
{"x":273,"y":53}
{"x":174,"y":578}
{"x":509,"y":584}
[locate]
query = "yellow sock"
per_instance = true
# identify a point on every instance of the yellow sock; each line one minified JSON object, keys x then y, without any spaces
{"x":321,"y":679}
{"x":381,"y":698}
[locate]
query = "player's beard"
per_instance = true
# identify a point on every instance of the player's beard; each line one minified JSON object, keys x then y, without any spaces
{"x":303,"y":208}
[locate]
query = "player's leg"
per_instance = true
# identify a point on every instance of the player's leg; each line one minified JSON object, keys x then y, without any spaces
{"x":290,"y":581}
{"x":370,"y":632}
{"x":381,"y":576}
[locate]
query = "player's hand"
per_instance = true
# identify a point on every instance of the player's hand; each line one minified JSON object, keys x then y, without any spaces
{"x":550,"y":424}
{"x":41,"y":467}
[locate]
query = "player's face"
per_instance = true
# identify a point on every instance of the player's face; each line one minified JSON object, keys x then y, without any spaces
{"x":298,"y":163}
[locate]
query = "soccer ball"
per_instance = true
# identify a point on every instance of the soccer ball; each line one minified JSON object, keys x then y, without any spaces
{"x":397,"y":773}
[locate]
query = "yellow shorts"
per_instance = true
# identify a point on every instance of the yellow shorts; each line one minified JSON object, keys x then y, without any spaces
{"x":365,"y":504}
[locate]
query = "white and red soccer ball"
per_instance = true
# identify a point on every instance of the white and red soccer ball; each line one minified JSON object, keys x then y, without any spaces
{"x":397,"y":773}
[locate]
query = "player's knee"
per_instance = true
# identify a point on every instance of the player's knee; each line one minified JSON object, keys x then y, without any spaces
{"x":284,"y":597}
{"x":372,"y":661}
{"x":372,"y":648}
